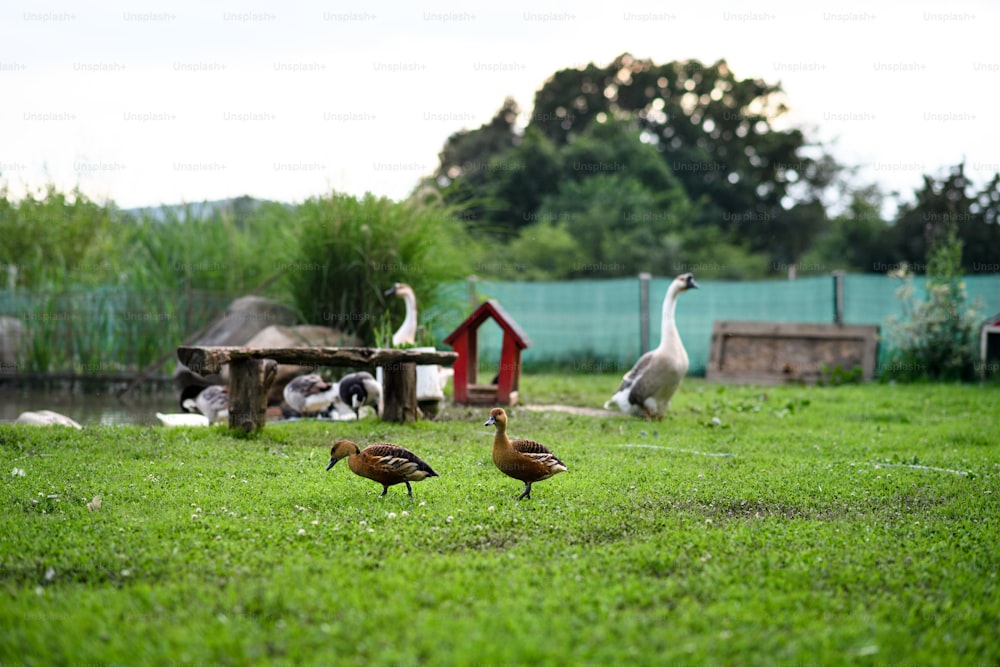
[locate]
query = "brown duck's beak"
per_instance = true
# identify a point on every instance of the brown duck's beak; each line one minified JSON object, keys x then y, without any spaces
{"x":491,"y":421}
{"x":390,"y":291}
{"x":332,"y":463}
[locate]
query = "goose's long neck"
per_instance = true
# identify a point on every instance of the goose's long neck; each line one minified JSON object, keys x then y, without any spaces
{"x":407,"y":332}
{"x":668,"y":325}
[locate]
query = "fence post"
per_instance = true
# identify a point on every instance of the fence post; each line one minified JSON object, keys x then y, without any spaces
{"x":838,"y":297}
{"x":470,"y":285}
{"x":644,"y":279}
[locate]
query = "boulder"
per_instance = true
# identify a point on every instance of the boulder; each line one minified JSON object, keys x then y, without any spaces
{"x":242,"y":320}
{"x":304,"y":335}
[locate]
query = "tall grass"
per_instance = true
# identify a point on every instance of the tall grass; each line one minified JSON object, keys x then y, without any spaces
{"x":351,"y":250}
{"x":102,"y":291}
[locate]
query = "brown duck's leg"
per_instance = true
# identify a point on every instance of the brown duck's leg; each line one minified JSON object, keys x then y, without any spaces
{"x":385,"y":490}
{"x":526,"y":493}
{"x":409,"y":490}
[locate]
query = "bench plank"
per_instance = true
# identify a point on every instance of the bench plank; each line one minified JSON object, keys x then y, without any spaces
{"x":210,"y":359}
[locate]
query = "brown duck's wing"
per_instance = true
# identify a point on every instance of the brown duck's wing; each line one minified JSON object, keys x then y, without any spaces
{"x":529,"y":446}
{"x":396,"y":460}
{"x":537,"y":451}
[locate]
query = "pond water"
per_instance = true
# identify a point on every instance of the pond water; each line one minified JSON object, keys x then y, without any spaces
{"x":91,"y":407}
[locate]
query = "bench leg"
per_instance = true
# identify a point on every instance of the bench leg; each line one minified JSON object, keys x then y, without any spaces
{"x":399,"y":393}
{"x":250,"y":381}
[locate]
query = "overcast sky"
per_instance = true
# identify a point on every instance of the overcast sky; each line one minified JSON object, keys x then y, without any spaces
{"x":162,"y":102}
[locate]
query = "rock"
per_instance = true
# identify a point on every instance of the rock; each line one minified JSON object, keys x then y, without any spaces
{"x":303,"y":335}
{"x":242,"y":320}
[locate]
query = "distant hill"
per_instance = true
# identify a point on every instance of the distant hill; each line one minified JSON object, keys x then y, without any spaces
{"x":235,"y":206}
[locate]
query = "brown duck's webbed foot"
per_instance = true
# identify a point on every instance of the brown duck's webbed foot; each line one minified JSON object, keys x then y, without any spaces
{"x":385,"y":490}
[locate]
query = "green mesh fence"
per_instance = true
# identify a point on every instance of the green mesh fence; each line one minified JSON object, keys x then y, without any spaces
{"x":596,"y":325}
{"x":100,"y":331}
{"x":588,"y":325}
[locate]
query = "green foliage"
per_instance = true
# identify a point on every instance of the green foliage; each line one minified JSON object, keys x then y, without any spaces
{"x":52,"y":237}
{"x":351,"y":250}
{"x":543,"y":249}
{"x":944,"y":205}
{"x":680,"y":147}
{"x":838,"y":375}
{"x":772,"y":538}
{"x":233,"y":249}
{"x":936,"y":337}
{"x":102,"y":291}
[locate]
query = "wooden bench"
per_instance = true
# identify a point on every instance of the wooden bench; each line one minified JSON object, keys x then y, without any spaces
{"x":252,"y":371}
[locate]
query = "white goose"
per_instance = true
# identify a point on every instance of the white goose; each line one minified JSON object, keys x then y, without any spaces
{"x":431,"y":380}
{"x":407,"y":332}
{"x":646,"y":390}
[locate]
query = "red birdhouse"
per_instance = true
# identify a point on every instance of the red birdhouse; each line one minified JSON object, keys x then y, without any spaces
{"x":463,"y":340}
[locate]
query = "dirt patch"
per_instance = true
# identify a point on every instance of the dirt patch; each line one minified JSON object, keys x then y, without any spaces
{"x":573,"y":410}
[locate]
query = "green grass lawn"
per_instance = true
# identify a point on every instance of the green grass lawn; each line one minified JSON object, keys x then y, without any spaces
{"x":789,"y":525}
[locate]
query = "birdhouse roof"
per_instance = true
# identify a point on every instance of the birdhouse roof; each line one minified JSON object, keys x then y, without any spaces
{"x":491,"y":308}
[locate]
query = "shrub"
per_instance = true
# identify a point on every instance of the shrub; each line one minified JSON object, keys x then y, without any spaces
{"x":936,"y":337}
{"x":351,"y":250}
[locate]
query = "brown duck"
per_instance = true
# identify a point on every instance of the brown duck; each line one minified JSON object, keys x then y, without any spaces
{"x":384,"y":463}
{"x":521,"y":459}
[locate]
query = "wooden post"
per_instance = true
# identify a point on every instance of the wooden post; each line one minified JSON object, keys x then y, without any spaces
{"x":644,"y":279}
{"x":838,"y":297}
{"x":400,"y":393}
{"x":249,"y":383}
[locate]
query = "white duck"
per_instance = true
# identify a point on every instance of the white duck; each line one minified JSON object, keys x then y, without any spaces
{"x":646,"y":390}
{"x":174,"y":419}
{"x":212,"y":401}
{"x":309,"y":394}
{"x":45,"y":418}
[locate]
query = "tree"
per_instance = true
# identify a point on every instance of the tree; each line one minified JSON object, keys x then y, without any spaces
{"x":856,"y":239}
{"x":715,"y":131}
{"x":944,"y":206}
{"x":681,"y":142}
